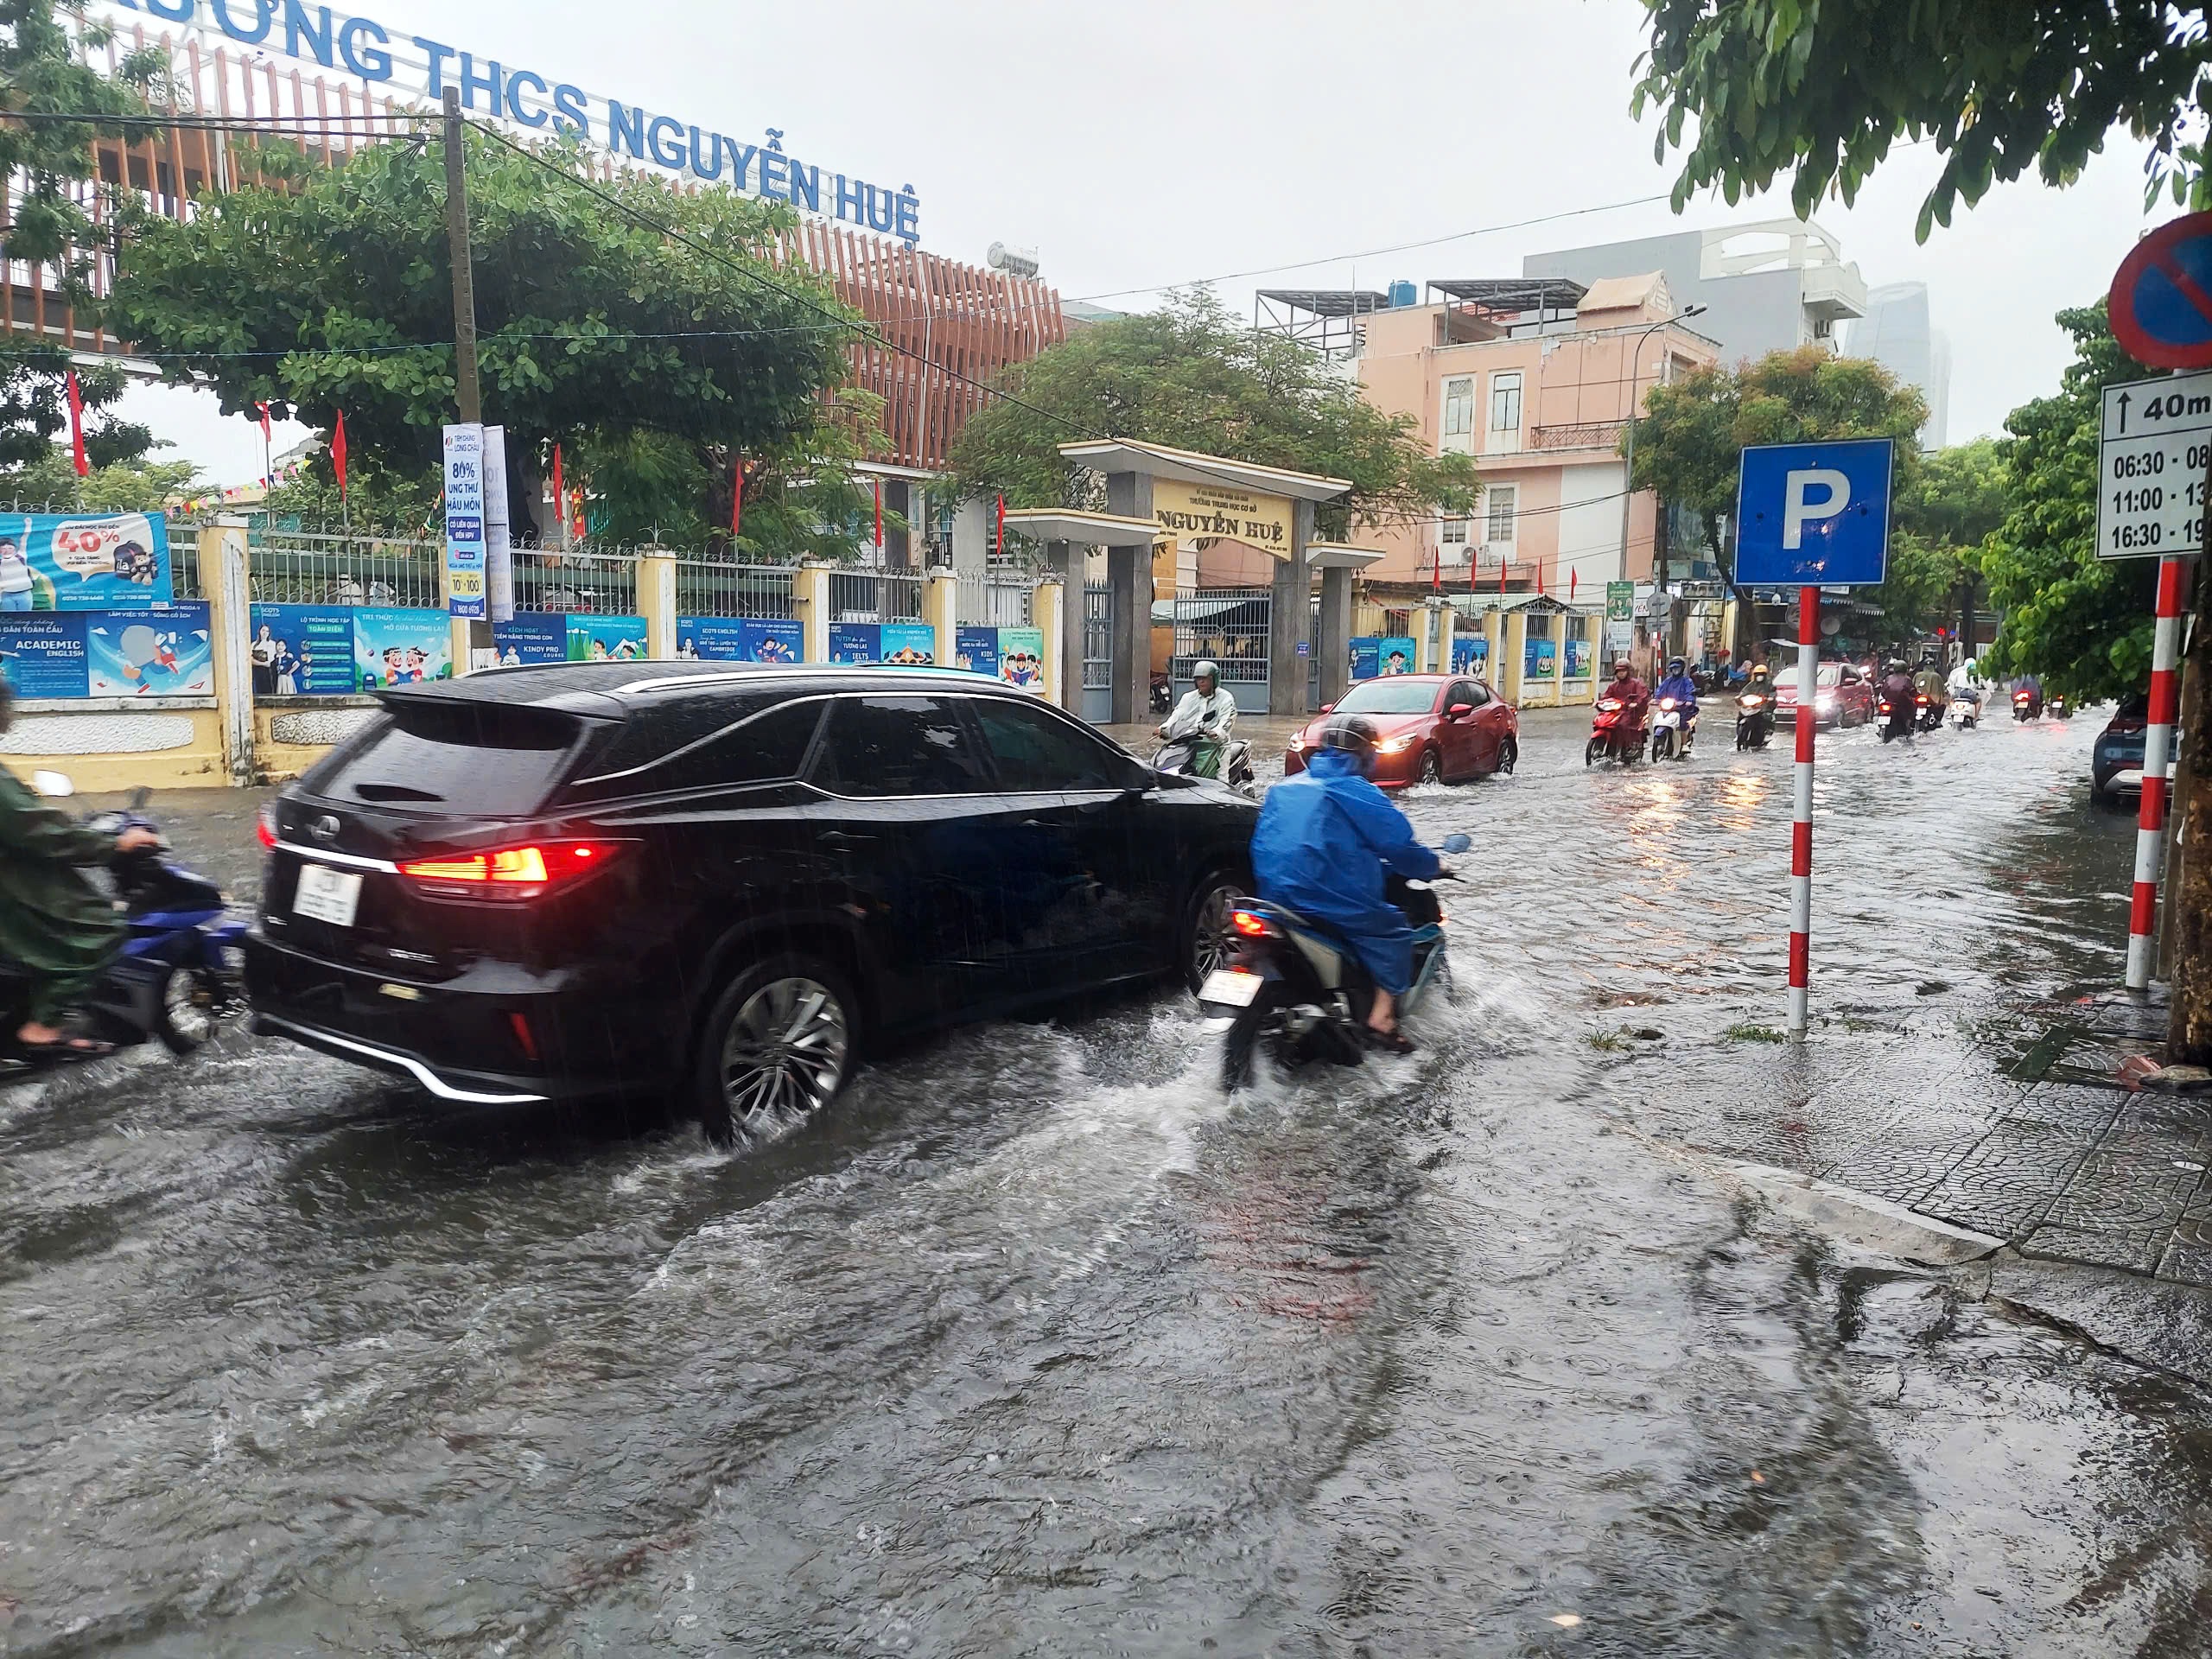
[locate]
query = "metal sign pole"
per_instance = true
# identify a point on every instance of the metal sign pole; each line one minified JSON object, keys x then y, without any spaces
{"x":1801,"y":827}
{"x":2157,"y":744}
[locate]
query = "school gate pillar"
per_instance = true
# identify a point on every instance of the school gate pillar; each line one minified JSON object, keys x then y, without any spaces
{"x":1290,"y":619}
{"x":222,"y":556}
{"x":941,"y":611}
{"x":1050,"y":608}
{"x":657,"y":603}
{"x":1339,"y":563}
{"x":1128,"y":575}
{"x":810,"y":609}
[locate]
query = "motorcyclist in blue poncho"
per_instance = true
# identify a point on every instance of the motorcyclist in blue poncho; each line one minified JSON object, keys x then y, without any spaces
{"x":1679,"y":685}
{"x":1327,"y":838}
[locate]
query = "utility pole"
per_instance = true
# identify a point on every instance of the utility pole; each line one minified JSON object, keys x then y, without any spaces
{"x":470,"y":634}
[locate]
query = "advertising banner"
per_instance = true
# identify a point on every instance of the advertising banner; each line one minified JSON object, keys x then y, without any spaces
{"x":976,"y":650}
{"x":1021,"y":658}
{"x":1620,"y":602}
{"x":855,"y":642}
{"x":1577,"y":659}
{"x":1394,"y":654}
{"x":64,"y":562}
{"x":739,"y":640}
{"x":1540,"y":659}
{"x":909,"y":645}
{"x":532,"y":637}
{"x":499,"y":546}
{"x":1469,"y":654}
{"x":400,"y":647}
{"x":164,"y":652}
{"x":302,"y":651}
{"x":606,"y":638}
{"x":465,"y":520}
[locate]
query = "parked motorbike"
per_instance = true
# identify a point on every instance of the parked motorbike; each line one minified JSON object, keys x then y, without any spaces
{"x":177,"y":976}
{"x":1613,"y":734}
{"x":1670,"y":737}
{"x":1163,"y":694}
{"x":1897,"y":717}
{"x":1964,"y":712}
{"x":1296,"y":987}
{"x":1754,"y":719}
{"x":2026,"y":705}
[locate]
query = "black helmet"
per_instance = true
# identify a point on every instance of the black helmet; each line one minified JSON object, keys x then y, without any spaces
{"x":1354,"y":734}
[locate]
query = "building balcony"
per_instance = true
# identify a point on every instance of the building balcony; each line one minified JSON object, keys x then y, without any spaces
{"x":1582,"y":434}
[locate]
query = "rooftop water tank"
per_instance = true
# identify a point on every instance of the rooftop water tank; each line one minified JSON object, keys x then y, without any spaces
{"x":1402,"y":294}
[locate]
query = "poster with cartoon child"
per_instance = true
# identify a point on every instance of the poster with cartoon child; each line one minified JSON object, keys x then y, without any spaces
{"x":400,"y":647}
{"x":163,"y":653}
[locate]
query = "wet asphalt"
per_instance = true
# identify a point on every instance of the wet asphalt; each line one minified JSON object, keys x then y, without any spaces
{"x":1041,"y":1345}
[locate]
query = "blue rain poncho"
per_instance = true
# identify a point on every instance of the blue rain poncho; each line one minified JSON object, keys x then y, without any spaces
{"x":1325,"y":840}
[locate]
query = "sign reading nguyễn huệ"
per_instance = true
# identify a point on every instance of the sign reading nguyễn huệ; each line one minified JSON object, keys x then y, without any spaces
{"x":1192,"y":511}
{"x":377,"y":57}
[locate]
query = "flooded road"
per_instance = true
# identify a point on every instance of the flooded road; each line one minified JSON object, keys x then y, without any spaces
{"x":1041,"y":1346}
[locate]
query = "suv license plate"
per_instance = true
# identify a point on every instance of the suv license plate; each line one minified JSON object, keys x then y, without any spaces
{"x":327,"y":895}
{"x":1230,"y":988}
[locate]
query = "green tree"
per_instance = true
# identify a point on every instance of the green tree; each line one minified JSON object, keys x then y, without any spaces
{"x":35,"y":411}
{"x":379,"y":497}
{"x":1953,"y":500}
{"x":1693,"y":431}
{"x":2081,"y":623}
{"x":593,"y":328}
{"x":1821,"y":89}
{"x":1189,"y":376}
{"x":134,"y":486}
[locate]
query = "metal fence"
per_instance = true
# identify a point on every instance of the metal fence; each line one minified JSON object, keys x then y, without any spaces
{"x":1009,"y":603}
{"x":1098,"y":636}
{"x":299,"y":568}
{"x":1229,"y":626}
{"x":875,"y":596}
{"x":706,"y":588}
{"x":578,"y":584}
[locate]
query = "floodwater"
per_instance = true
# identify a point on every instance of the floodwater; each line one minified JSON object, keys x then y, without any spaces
{"x":1040,"y":1346}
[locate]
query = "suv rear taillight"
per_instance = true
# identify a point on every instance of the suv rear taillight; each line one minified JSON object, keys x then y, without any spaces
{"x":264,"y":828}
{"x":529,"y":871}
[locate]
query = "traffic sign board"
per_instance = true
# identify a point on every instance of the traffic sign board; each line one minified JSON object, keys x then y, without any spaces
{"x":2161,"y":302}
{"x":1815,"y":514}
{"x":2155,"y":440}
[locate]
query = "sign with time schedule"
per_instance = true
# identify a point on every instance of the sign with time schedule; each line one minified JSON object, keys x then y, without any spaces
{"x":2155,"y":444}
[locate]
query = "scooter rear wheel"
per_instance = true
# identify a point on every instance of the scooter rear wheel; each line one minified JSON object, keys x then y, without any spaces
{"x":188,"y":1017}
{"x":1590,"y":755}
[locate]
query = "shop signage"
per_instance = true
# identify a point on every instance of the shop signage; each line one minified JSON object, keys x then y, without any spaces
{"x":377,"y":57}
{"x":1192,"y":511}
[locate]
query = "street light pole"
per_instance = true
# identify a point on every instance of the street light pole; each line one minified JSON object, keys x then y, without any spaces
{"x":1627,"y":477}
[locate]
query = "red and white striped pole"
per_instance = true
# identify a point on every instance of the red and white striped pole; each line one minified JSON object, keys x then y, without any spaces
{"x":1801,"y":826}
{"x":2157,"y":745}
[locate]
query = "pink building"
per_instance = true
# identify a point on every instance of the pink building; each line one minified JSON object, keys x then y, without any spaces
{"x":1535,"y":379}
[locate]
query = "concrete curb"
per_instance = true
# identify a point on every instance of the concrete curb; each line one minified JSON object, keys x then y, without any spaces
{"x":1861,"y":1218}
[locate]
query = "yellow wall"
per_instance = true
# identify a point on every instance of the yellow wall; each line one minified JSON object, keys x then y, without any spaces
{"x":197,"y":762}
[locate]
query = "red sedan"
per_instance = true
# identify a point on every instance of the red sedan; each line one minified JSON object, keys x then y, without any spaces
{"x":1430,"y":729}
{"x":1845,"y":695}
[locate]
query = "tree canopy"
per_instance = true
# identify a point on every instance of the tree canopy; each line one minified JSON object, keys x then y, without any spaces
{"x":1189,"y":376}
{"x":2081,"y":624}
{"x":1821,"y":90}
{"x":594,"y":328}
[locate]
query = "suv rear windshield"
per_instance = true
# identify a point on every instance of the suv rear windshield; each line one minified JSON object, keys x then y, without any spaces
{"x":468,"y":757}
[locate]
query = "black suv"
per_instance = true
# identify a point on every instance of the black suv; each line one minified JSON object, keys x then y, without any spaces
{"x":578,"y":881}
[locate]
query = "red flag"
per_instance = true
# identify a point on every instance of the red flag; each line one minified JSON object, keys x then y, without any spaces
{"x":737,"y":501}
{"x":1002,"y":547}
{"x":1501,"y":575}
{"x":1540,"y":578}
{"x":266,"y":434}
{"x":1573,"y":580}
{"x":337,"y":453}
{"x":560,"y":489}
{"x":76,"y":425}
{"x":1436,"y":572}
{"x":879,"y":518}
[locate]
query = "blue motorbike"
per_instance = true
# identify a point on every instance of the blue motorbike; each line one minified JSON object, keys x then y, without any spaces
{"x":177,"y":977}
{"x":1297,"y":987}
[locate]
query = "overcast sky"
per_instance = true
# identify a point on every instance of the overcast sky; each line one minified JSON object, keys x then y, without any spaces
{"x":1155,"y":141}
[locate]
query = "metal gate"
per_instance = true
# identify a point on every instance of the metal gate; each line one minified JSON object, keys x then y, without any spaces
{"x":1231,"y":627}
{"x":1097,"y":652}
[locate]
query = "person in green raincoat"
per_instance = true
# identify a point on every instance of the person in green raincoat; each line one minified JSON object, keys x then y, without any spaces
{"x":54,"y":923}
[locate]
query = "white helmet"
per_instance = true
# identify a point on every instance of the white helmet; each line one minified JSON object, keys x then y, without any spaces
{"x":1207,"y":671}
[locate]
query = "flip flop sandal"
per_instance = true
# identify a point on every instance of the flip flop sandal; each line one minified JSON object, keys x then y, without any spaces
{"x":68,"y":1048}
{"x":1390,"y":1042}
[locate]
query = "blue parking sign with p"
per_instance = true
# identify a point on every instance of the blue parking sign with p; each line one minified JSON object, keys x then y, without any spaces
{"x":1815,"y":514}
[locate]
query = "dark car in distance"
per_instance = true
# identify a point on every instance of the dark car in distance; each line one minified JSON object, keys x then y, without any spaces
{"x":1430,"y":729}
{"x":2116,"y":761}
{"x":725,"y":884}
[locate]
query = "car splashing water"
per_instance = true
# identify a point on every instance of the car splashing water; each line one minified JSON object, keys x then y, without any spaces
{"x":1040,"y":1345}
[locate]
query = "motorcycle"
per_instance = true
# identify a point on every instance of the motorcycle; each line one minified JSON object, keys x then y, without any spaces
{"x":1927,"y":714}
{"x":177,"y":977}
{"x":1669,"y":731}
{"x":1294,"y":985}
{"x":2055,"y":708}
{"x":1754,"y":719}
{"x":2026,"y":705}
{"x":1613,"y":734}
{"x":1163,"y":694}
{"x":1964,"y":712}
{"x":1897,"y":717}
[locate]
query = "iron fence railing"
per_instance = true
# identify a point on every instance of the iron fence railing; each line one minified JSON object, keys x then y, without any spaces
{"x":1231,"y":628}
{"x":578,"y":584}
{"x":1006,"y":604}
{"x":1098,"y":636}
{"x":299,"y":567}
{"x":875,"y":596}
{"x":706,"y":588}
